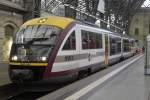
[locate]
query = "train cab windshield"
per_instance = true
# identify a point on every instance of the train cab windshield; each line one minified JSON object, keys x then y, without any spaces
{"x":34,"y":43}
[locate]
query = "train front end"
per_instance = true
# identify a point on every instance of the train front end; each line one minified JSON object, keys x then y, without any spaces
{"x":32,"y":49}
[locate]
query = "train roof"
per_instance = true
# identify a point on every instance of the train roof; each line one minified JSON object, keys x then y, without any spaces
{"x":110,"y":32}
{"x":95,"y":26}
{"x":61,"y":22}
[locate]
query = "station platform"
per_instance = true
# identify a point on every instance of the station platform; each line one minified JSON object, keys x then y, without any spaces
{"x":123,"y":81}
{"x":4,"y":77}
{"x":131,"y":84}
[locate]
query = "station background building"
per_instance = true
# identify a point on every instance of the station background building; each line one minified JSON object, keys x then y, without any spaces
{"x":140,"y":25}
{"x":13,"y":13}
{"x":9,"y":23}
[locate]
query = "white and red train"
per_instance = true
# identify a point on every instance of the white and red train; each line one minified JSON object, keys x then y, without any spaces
{"x":57,"y":49}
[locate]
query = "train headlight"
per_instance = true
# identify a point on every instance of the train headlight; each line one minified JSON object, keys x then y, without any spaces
{"x":43,"y":58}
{"x":14,"y":58}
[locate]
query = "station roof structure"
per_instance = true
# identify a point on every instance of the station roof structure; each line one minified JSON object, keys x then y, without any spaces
{"x":116,"y":16}
{"x":123,"y":10}
{"x":8,"y":5}
{"x":118,"y":13}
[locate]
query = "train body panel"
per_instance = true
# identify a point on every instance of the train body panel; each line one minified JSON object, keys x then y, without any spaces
{"x":114,"y":48}
{"x":66,"y":48}
{"x":79,"y":57}
{"x":67,"y":59}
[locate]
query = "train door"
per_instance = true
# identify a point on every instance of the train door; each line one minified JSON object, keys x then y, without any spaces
{"x":106,"y":49}
{"x":78,"y":44}
{"x":122,"y":47}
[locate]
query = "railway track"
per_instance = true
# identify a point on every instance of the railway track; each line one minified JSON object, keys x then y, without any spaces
{"x":28,"y":96}
{"x":9,"y":90}
{"x":25,"y":92}
{"x":34,"y":93}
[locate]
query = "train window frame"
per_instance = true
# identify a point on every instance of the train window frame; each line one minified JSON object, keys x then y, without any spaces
{"x":66,"y":49}
{"x":126,"y":46}
{"x":93,"y":40}
{"x":115,"y":47}
{"x":132,"y":44}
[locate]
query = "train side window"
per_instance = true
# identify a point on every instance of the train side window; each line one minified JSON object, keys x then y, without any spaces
{"x":129,"y":45}
{"x":126,"y":45}
{"x":98,"y":39}
{"x":115,"y":45}
{"x":85,"y":39}
{"x":71,"y":42}
{"x":91,"y":40}
{"x":112,"y":46}
{"x":118,"y":41}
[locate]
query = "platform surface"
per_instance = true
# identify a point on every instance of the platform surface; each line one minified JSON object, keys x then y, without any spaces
{"x":123,"y":81}
{"x":4,"y":78}
{"x":131,"y":84}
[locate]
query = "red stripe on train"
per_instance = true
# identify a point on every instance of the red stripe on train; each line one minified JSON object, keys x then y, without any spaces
{"x":54,"y":52}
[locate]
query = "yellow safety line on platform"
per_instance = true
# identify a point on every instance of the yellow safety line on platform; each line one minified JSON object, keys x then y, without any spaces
{"x":93,"y":85}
